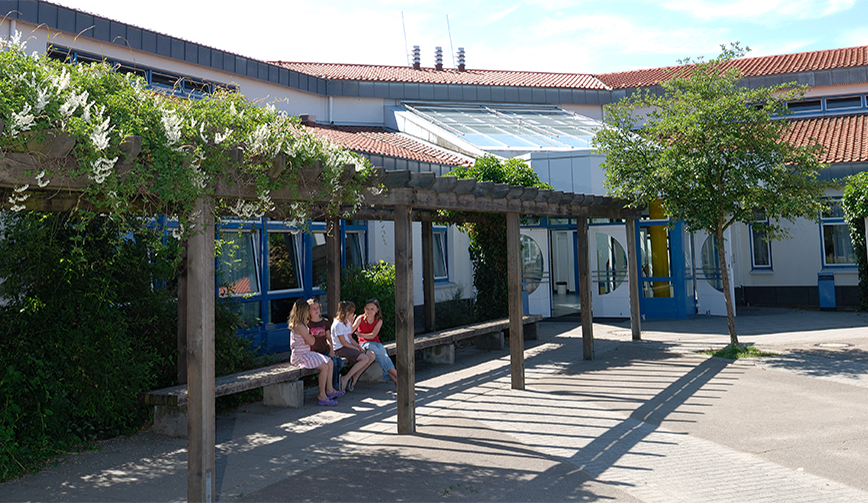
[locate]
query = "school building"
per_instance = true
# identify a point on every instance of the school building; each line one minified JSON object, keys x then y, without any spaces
{"x":432,"y":118}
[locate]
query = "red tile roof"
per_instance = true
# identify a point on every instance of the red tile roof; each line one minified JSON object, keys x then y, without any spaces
{"x":377,"y":73}
{"x":381,"y":141}
{"x":751,"y":67}
{"x":844,"y":136}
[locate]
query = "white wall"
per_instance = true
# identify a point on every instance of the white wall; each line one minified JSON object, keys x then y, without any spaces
{"x":591,"y":111}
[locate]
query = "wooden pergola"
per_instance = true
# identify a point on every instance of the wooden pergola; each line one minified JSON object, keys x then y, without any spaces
{"x":398,"y":196}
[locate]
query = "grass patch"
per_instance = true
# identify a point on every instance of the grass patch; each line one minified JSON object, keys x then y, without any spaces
{"x":736,"y":352}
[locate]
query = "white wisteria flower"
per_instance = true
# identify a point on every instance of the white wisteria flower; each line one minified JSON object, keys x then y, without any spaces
{"x":22,"y":121}
{"x":172,"y":125}
{"x":100,"y":134}
{"x":43,"y":95}
{"x":61,"y":82}
{"x":72,"y":103}
{"x":259,"y":138}
{"x":102,"y":168}
{"x":18,"y":197}
{"x":41,"y":180}
{"x":220,"y":138}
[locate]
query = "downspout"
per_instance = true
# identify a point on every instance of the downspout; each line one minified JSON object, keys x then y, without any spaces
{"x":13,"y":27}
{"x":331,"y":109}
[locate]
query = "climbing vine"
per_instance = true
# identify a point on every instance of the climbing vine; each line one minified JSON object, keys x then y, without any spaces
{"x":855,"y":203}
{"x":188,"y":146}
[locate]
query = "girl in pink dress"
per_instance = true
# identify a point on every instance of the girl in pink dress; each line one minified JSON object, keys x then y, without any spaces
{"x":300,"y":341}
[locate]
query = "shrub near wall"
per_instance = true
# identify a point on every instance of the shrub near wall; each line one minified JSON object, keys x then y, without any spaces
{"x":374,"y":281}
{"x":855,"y":203}
{"x":89,"y":321}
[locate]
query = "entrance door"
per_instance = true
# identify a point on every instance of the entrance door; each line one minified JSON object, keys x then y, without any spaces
{"x":610,"y":292}
{"x":535,"y":271}
{"x":709,"y":278}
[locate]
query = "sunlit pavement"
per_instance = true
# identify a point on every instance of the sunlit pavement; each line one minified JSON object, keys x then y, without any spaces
{"x":647,"y":421}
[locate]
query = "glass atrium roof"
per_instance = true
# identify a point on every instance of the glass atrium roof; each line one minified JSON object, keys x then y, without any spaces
{"x":510,"y":127}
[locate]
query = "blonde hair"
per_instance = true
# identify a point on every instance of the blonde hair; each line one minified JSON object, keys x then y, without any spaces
{"x":344,"y":309}
{"x":300,"y":314}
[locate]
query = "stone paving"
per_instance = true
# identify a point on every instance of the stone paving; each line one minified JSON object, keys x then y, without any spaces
{"x":648,"y":421}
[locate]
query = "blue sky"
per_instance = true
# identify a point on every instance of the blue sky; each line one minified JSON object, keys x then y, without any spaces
{"x":539,"y":35}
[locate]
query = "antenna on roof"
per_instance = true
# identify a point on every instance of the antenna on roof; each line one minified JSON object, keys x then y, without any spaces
{"x":406,"y":49}
{"x":451,"y":48}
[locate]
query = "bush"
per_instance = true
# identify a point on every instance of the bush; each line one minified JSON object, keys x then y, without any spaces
{"x":89,"y":321}
{"x":374,"y":281}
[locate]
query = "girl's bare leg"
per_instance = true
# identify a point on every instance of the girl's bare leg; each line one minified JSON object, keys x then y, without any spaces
{"x":321,"y":381}
{"x":329,"y":388}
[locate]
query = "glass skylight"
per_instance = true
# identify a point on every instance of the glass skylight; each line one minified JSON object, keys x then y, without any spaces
{"x":510,"y":127}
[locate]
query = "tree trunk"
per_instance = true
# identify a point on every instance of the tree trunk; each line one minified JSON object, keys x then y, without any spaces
{"x":727,"y":296}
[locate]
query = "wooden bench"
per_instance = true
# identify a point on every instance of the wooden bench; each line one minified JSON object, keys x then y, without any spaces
{"x":439,"y":347}
{"x":282,"y":387}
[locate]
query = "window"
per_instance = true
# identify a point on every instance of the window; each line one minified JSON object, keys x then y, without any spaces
{"x":441,"y":272}
{"x":837,"y":247}
{"x":238,"y":263}
{"x":814,"y":105}
{"x":844,"y":102}
{"x":165,"y":82}
{"x":354,"y":251}
{"x":760,"y":247}
{"x":319,"y":258}
{"x":283,"y":261}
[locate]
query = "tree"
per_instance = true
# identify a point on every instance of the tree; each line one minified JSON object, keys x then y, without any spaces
{"x":713,"y":152}
{"x":488,"y":234}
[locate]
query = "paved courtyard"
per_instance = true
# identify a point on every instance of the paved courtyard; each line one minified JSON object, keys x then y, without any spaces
{"x":649,"y":421}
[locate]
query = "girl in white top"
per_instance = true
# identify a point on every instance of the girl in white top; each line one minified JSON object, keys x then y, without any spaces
{"x":347,"y":347}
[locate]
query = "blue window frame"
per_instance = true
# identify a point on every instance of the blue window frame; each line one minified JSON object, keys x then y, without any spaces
{"x":166,"y":82}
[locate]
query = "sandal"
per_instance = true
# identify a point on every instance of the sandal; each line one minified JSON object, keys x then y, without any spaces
{"x":351,"y":386}
{"x":327,"y":403}
{"x":336,"y":394}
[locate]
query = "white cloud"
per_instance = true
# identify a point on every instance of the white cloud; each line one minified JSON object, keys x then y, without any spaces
{"x":854,"y":37}
{"x":762,"y":11}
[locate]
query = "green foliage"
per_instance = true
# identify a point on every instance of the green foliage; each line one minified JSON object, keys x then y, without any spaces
{"x":712,"y":153}
{"x":488,"y":234}
{"x":188,"y":146}
{"x":454,"y":312}
{"x":89,"y":321}
{"x":374,"y":281}
{"x":711,"y":150}
{"x":734,"y":352}
{"x":855,"y":203}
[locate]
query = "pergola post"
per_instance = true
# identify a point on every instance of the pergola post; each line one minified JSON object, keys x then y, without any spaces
{"x":201,"y":425}
{"x":333,"y":265}
{"x":633,"y":279}
{"x":182,"y":315}
{"x":428,"y":274}
{"x":585,"y":289}
{"x":516,"y":327}
{"x":405,"y":348}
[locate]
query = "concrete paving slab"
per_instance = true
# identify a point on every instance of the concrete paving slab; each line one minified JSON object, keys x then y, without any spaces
{"x":646,"y":421}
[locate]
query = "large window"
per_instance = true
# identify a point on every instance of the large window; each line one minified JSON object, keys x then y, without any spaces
{"x":284,"y":271}
{"x":837,"y":247}
{"x":760,"y":246}
{"x":238,"y":263}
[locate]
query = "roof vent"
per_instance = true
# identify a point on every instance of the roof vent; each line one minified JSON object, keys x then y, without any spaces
{"x":417,"y":58}
{"x":461,"y":66}
{"x":438,"y":58}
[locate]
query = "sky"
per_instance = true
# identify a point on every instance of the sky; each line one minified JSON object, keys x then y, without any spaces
{"x":572,"y":36}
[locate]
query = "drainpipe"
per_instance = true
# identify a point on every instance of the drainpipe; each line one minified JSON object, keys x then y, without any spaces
{"x":331,"y":109}
{"x":13,"y":27}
